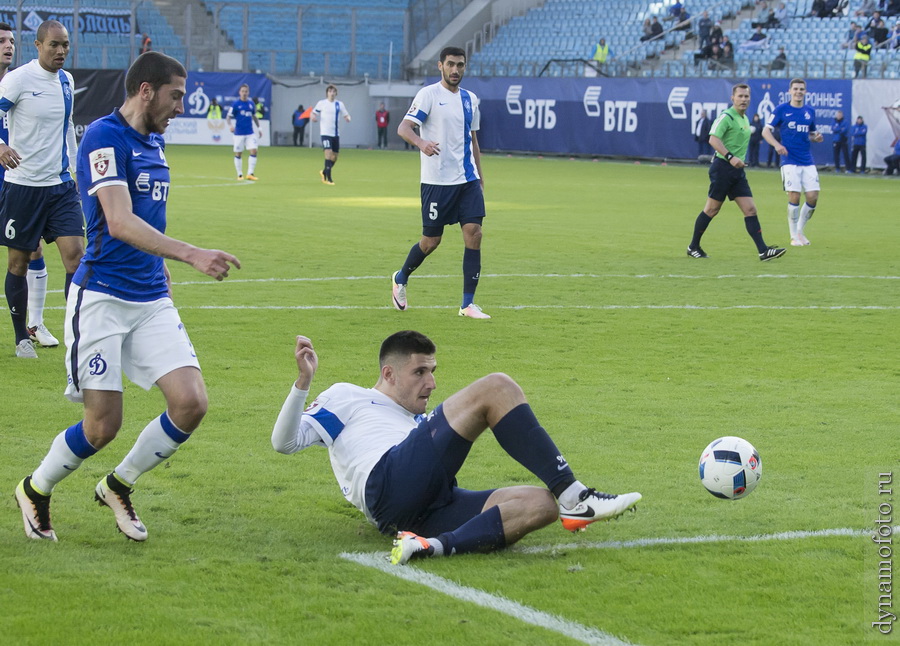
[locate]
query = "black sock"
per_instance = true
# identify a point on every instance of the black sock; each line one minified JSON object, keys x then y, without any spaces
{"x":520,"y":434}
{"x":700,"y":226}
{"x":471,"y":273}
{"x":68,"y":283}
{"x":328,"y":166}
{"x":755,"y":231}
{"x":17,"y":299}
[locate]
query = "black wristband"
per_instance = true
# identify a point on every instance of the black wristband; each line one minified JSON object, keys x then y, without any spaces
{"x":728,"y":156}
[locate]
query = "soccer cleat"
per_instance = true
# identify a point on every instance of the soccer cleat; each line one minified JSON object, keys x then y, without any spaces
{"x":473,"y":312}
{"x":25,"y":349}
{"x":802,"y":239}
{"x":322,"y":175}
{"x":252,"y":177}
{"x":41,"y":335}
{"x":240,"y":178}
{"x":408,"y":546}
{"x":117,"y":497}
{"x":398,"y":292}
{"x":771,"y":252}
{"x":795,"y":242}
{"x":35,"y":512}
{"x":595,"y":505}
{"x":696,"y":252}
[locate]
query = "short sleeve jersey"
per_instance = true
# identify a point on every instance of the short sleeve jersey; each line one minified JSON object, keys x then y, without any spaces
{"x":448,"y":118}
{"x":733,"y":128}
{"x":114,"y":154}
{"x":242,"y":112}
{"x":329,"y":114}
{"x":39,"y":105}
{"x":796,"y":124}
{"x":358,"y":425}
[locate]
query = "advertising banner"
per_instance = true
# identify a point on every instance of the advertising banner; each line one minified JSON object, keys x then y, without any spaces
{"x":97,"y":93}
{"x":91,"y":20}
{"x":646,"y":117}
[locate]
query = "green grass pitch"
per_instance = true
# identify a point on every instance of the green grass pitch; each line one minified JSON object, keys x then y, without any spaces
{"x":633,"y":356}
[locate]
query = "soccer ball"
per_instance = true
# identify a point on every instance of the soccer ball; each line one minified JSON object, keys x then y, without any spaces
{"x":730,"y":468}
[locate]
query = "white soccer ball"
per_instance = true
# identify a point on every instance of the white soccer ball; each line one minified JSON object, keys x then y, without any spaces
{"x":730,"y":468}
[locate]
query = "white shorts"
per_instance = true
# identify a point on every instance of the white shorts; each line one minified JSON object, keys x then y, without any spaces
{"x":245,"y":142}
{"x":106,"y":336}
{"x":799,"y":179}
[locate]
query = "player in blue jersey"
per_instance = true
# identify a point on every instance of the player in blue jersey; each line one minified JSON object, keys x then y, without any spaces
{"x":119,"y":314}
{"x":797,"y":123}
{"x":452,"y":187}
{"x":246,"y":132}
{"x":39,"y":198}
{"x":398,"y":466}
{"x":36,"y":277}
{"x":329,"y":112}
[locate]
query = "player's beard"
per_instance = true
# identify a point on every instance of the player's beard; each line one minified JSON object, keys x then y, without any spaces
{"x":154,"y":121}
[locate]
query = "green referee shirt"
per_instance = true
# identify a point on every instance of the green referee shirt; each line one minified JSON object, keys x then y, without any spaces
{"x":733,"y":129}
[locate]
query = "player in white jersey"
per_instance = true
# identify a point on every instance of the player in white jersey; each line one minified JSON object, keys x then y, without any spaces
{"x":329,"y":112}
{"x":452,"y":187}
{"x":39,"y":198}
{"x":119,"y":315}
{"x":398,"y":466}
{"x":36,"y":277}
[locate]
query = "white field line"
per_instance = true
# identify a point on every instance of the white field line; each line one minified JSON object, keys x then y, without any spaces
{"x":526,"y":614}
{"x":585,"y":634}
{"x":539,"y":307}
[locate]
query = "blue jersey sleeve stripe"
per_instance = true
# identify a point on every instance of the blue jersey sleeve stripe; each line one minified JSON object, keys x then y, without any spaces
{"x":468,"y":110}
{"x":5,"y":105}
{"x":329,"y":421}
{"x":419,"y":117}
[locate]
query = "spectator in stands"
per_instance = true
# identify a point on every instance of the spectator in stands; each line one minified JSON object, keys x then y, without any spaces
{"x":701,"y":136}
{"x":727,"y":52}
{"x":715,"y":58}
{"x":839,"y":132}
{"x":872,"y":22}
{"x":146,"y":44}
{"x":299,"y":120}
{"x":656,"y":29}
{"x":858,"y":133}
{"x":880,"y":35}
{"x":893,"y":8}
{"x":894,"y":40}
{"x":779,"y":62}
{"x":647,"y":29}
{"x":715,"y":34}
{"x":704,"y":25}
{"x":758,"y":40}
{"x":865,"y":9}
{"x":601,"y":54}
{"x":893,"y":160}
{"x":683,"y":20}
{"x":817,"y":9}
{"x":675,"y":10}
{"x":756,"y":127}
{"x":764,"y":16}
{"x":215,"y":110}
{"x":861,"y":58}
{"x":852,"y":36}
{"x":780,"y":17}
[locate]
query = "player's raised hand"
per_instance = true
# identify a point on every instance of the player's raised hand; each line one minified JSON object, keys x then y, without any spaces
{"x":214,"y":262}
{"x":307,"y":362}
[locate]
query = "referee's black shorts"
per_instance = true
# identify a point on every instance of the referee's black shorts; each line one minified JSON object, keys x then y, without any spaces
{"x":727,"y":181}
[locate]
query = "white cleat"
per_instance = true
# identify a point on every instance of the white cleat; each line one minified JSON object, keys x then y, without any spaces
{"x":398,"y":293}
{"x":593,"y":506}
{"x":795,"y":242}
{"x":35,"y":512}
{"x":473,"y":312}
{"x":119,"y":500}
{"x":25,"y":349}
{"x":802,"y":240}
{"x":41,"y":335}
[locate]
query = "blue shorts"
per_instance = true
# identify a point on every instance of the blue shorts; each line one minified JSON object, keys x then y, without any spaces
{"x":727,"y":181}
{"x":413,"y":486}
{"x":29,"y":213}
{"x":331,"y":143}
{"x":445,"y":205}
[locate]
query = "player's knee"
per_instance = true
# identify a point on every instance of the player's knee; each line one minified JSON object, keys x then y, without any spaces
{"x":429,"y":243}
{"x":188,"y":410}
{"x":499,"y":384}
{"x":546,"y":509}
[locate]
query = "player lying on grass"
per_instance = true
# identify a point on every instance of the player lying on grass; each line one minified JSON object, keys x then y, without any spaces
{"x":398,"y":465}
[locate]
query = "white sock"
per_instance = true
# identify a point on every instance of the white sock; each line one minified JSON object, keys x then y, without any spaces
{"x":251,"y":165}
{"x":60,"y":461}
{"x":153,"y":446}
{"x":437,"y":546}
{"x":37,"y":294}
{"x":569,"y":497}
{"x":806,"y":212}
{"x":793,"y":218}
{"x":238,"y":166}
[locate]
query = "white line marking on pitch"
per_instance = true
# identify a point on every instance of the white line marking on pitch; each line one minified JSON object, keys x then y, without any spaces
{"x":526,"y":614}
{"x":586,"y":634}
{"x":543,"y":307}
